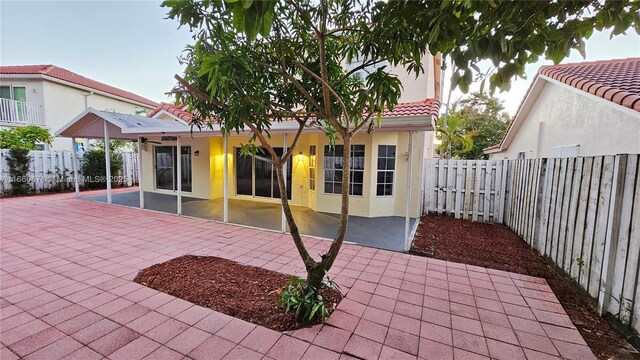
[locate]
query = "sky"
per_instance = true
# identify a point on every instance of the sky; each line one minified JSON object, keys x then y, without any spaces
{"x":130,"y":44}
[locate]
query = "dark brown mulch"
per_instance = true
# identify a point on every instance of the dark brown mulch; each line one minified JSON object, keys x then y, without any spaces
{"x":497,"y":247}
{"x":246,"y":292}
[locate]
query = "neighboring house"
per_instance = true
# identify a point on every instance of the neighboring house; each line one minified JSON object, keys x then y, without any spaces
{"x":48,"y":96}
{"x":387,"y":163}
{"x":583,"y":109}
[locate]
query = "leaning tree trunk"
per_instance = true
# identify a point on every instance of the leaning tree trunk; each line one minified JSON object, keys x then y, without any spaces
{"x":316,"y":271}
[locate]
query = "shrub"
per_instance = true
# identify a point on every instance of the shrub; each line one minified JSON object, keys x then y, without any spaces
{"x":25,"y":137}
{"x":304,"y":299}
{"x":94,"y":168}
{"x":18,"y":161}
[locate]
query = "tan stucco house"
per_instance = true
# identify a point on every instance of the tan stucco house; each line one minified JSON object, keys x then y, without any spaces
{"x":582,"y":109}
{"x":386,"y":171}
{"x":48,"y":96}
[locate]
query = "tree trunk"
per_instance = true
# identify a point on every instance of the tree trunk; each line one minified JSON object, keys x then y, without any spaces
{"x":331,"y":255}
{"x":308,"y":261}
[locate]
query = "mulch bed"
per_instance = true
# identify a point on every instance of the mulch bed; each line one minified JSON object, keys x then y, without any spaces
{"x":495,"y":246}
{"x":246,"y":292}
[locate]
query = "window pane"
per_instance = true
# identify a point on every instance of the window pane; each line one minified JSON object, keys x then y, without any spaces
{"x":164,"y":167}
{"x":186,"y":168}
{"x":5,"y":92}
{"x":20,"y":93}
{"x":382,"y":150}
{"x":243,"y":174}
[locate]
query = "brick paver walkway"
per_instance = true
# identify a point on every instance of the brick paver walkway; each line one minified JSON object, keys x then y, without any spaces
{"x":66,"y":292}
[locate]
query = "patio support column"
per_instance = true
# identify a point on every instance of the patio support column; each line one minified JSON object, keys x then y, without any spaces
{"x":283,"y":225}
{"x":107,"y":159}
{"x":74,"y":155}
{"x":179,"y":176}
{"x":225,"y":180}
{"x":407,"y":219}
{"x":140,"y":172}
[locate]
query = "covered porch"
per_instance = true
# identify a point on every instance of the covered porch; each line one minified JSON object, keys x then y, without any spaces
{"x":202,"y":174}
{"x":380,"y":232}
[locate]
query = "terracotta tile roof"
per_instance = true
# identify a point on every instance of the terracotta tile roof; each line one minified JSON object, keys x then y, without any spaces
{"x":418,"y":108}
{"x":176,"y":110}
{"x":69,"y":76}
{"x":615,"y":80}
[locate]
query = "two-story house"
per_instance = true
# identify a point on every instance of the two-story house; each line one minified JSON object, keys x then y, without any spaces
{"x":48,"y":96}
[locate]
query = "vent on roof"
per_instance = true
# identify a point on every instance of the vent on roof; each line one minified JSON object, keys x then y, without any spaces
{"x":169,"y":138}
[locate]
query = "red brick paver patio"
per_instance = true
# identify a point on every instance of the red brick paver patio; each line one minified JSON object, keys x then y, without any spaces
{"x":66,"y":292}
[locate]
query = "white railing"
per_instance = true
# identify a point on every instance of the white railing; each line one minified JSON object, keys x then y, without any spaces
{"x":20,"y":112}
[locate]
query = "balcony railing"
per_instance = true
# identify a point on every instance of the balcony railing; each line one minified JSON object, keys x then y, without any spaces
{"x":20,"y":112}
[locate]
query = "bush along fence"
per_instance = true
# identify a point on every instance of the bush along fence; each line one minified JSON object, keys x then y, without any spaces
{"x":583,"y":213}
{"x":51,"y":171}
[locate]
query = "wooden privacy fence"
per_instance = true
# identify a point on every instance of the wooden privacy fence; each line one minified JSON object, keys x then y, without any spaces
{"x":583,"y":213}
{"x":467,"y":189}
{"x":53,"y":170}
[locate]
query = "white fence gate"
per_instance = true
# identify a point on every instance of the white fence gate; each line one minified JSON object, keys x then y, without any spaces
{"x":49,"y":168}
{"x":582,"y":213}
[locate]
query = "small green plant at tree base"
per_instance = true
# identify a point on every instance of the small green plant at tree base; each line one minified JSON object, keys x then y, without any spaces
{"x":580,"y":262}
{"x":305,"y":300}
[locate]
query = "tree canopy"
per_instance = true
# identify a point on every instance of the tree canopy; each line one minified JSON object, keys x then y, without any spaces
{"x":255,"y":63}
{"x":25,"y":137}
{"x":478,"y":117}
{"x":511,"y":34}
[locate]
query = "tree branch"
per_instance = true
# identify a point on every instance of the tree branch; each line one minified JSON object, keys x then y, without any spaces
{"x":203,"y":96}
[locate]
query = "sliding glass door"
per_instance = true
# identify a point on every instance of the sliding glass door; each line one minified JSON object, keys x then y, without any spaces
{"x":166,"y":167}
{"x":257,"y":177}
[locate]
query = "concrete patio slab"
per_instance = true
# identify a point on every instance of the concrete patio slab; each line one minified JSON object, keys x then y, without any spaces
{"x":380,"y":232}
{"x":66,"y":292}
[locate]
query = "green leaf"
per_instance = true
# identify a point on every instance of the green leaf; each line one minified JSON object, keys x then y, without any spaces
{"x":251,"y":23}
{"x":238,"y":16}
{"x":246,"y":3}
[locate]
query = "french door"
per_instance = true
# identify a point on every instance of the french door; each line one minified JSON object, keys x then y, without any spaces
{"x":166,"y":167}
{"x":256,"y":177}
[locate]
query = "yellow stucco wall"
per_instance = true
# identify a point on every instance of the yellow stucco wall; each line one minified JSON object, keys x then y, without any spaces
{"x":208,"y":172}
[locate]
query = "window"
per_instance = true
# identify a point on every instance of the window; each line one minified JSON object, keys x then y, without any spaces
{"x":386,"y":169}
{"x":18,"y":93}
{"x":312,"y":167}
{"x":166,"y":167}
{"x":363,"y":73}
{"x":333,"y":169}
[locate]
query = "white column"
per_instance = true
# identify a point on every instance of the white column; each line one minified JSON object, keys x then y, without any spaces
{"x":283,"y":225}
{"x":74,"y":155}
{"x":140,"y":172}
{"x":179,"y":179}
{"x":107,"y":158}
{"x":407,"y":219}
{"x":225,"y":180}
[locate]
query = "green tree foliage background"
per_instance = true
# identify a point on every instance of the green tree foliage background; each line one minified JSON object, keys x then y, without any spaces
{"x":479,"y":118}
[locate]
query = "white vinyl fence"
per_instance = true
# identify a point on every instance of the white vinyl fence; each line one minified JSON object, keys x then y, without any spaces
{"x":53,"y":170}
{"x":583,"y":213}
